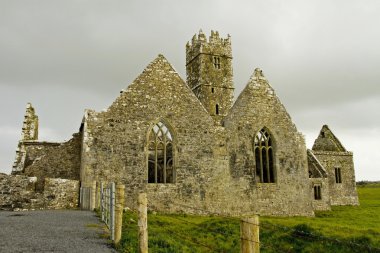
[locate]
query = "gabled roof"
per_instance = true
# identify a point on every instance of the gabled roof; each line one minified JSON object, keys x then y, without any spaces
{"x":156,"y":69}
{"x":257,"y":98}
{"x":327,"y":141}
{"x":160,"y":86}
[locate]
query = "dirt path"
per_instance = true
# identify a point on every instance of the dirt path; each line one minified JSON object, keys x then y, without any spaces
{"x":51,"y":231}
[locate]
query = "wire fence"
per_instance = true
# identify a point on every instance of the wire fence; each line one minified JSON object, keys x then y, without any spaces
{"x":206,"y":235}
{"x":107,"y":206}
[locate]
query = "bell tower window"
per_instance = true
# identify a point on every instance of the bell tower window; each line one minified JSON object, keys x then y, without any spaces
{"x":216,"y":61}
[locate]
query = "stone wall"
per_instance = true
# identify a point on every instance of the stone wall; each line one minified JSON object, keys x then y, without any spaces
{"x":343,"y":193}
{"x":18,"y":192}
{"x":115,"y":146}
{"x":322,"y":204}
{"x":29,"y":132}
{"x":213,"y":164}
{"x":258,"y":108}
{"x":61,"y":193}
{"x":53,"y":160}
{"x":35,"y":150}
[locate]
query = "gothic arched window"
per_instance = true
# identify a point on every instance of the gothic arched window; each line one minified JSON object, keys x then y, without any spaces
{"x":160,"y":155}
{"x":264,"y":157}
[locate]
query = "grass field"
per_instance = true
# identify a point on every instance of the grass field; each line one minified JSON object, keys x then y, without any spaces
{"x":344,"y":229}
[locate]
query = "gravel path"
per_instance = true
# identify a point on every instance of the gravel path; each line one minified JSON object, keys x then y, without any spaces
{"x":51,"y":231}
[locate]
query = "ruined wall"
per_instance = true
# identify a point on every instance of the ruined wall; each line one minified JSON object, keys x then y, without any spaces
{"x":333,"y":155}
{"x":54,"y":160}
{"x":318,"y":177}
{"x":34,"y":150}
{"x":18,"y":192}
{"x":61,"y":193}
{"x":343,"y":193}
{"x":115,"y":144}
{"x":29,"y":132}
{"x":256,"y":108}
{"x":322,"y":204}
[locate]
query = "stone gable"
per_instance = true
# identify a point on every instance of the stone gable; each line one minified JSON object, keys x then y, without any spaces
{"x":327,"y":141}
{"x":339,"y":165}
{"x":115,"y":141}
{"x":258,"y":108}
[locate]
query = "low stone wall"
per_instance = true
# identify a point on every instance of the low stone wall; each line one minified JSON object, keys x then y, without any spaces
{"x":18,"y":192}
{"x":61,"y":193}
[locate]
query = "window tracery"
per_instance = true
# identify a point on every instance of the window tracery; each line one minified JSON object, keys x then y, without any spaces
{"x":264,"y":157}
{"x":160,"y":155}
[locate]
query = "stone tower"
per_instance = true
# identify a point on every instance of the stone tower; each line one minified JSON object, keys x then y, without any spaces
{"x":209,"y":72}
{"x":29,"y":133}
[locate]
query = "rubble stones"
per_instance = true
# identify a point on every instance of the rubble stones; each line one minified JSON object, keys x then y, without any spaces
{"x":18,"y":192}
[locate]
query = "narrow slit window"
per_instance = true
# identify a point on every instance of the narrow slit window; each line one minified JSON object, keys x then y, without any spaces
{"x":160,"y":155}
{"x":338,"y":176}
{"x":217,"y":109}
{"x":212,"y":90}
{"x":317,"y":192}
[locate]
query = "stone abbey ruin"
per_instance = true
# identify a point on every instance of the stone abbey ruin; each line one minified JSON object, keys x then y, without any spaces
{"x":190,"y":146}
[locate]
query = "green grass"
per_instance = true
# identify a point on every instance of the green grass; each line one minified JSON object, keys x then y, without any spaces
{"x":344,"y":229}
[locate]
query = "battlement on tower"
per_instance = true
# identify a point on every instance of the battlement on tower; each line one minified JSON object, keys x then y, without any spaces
{"x":214,"y":45}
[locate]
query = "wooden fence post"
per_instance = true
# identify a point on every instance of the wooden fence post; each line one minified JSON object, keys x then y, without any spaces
{"x":93,"y":196}
{"x":97,"y":195}
{"x":249,"y":235}
{"x":119,"y":211}
{"x":143,"y":223}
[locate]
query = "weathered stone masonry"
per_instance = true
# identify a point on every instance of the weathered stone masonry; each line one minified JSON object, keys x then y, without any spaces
{"x":191,"y":148}
{"x":18,"y":192}
{"x":339,"y":164}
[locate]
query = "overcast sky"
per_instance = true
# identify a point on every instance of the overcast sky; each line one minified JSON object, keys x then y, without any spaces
{"x":322,"y":57}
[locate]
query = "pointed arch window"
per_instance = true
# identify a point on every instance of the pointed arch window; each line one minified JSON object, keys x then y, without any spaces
{"x":160,"y":155}
{"x":264,"y":157}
